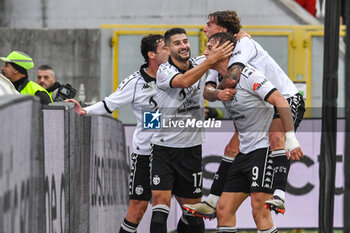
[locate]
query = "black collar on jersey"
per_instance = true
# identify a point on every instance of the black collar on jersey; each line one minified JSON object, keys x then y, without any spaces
{"x":21,"y":83}
{"x":53,"y":87}
{"x":181,"y":71}
{"x":145,"y":76}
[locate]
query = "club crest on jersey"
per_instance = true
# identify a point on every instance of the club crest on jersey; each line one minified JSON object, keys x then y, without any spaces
{"x":156,"y":180}
{"x":139,"y":190}
{"x":152,"y":120}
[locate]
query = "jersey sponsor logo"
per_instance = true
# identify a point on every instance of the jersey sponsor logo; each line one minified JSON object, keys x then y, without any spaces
{"x":156,"y":180}
{"x":256,"y":86}
{"x":139,"y":190}
{"x":152,"y":120}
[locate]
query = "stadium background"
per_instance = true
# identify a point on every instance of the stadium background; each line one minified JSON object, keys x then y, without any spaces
{"x":88,"y":44}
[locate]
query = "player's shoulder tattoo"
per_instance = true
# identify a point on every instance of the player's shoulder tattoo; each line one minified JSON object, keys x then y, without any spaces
{"x":235,"y":71}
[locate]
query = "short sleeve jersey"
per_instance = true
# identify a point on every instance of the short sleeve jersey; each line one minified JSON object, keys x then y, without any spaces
{"x":248,"y":51}
{"x":178,"y":107}
{"x":249,"y":110}
{"x":139,"y":90}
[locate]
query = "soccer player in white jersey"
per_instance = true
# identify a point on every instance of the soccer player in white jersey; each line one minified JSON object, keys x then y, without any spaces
{"x":139,"y":90}
{"x":176,"y":151}
{"x":252,"y":110}
{"x":247,"y":51}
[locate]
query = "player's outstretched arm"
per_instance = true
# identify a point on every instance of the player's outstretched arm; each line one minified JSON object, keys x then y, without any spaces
{"x":292,"y":145}
{"x":78,"y":108}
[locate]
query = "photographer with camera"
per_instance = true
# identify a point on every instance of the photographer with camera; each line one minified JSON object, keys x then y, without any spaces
{"x":58,"y":92}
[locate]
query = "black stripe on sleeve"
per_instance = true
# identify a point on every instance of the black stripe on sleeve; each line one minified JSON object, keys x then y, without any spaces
{"x":171,"y":80}
{"x":210,"y":82}
{"x":237,"y":63}
{"x":270,"y":92}
{"x":105,"y":105}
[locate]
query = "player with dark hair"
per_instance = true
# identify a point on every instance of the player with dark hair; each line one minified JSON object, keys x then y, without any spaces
{"x":176,"y":152}
{"x":252,"y":109}
{"x":139,"y":90}
{"x":249,"y":52}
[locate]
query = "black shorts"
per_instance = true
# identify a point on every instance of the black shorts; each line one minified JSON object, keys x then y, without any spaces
{"x":177,"y":169}
{"x":297,"y":107}
{"x":140,"y":185}
{"x":252,"y":172}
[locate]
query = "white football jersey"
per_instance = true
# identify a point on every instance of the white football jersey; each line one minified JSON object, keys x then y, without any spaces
{"x":249,"y":110}
{"x":139,"y":90}
{"x":249,"y":52}
{"x":180,"y":108}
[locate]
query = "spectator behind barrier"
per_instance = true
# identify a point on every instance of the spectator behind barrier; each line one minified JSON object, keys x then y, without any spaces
{"x":15,"y":69}
{"x":6,"y":87}
{"x":47,"y":79}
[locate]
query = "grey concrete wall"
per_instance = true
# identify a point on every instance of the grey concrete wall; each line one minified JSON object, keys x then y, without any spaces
{"x":74,"y":54}
{"x":90,"y":14}
{"x":21,"y":165}
{"x":5,"y":12}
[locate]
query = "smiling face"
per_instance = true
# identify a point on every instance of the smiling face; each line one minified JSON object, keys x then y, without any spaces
{"x":180,"y":48}
{"x":212,"y":28}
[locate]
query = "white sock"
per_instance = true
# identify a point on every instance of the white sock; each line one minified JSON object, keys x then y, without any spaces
{"x":271,"y":230}
{"x":212,"y":200}
{"x":280,"y":193}
{"x":226,"y":229}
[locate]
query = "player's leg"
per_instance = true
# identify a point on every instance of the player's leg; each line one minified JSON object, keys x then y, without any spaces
{"x":139,"y":192}
{"x":236,"y":190}
{"x":261,"y":215}
{"x":188,"y":187}
{"x":278,"y":155}
{"x":281,"y":166}
{"x":160,"y":210}
{"x":226,"y":210}
{"x":162,"y":184}
{"x":207,"y":208}
{"x":188,"y":223}
{"x":261,"y":177}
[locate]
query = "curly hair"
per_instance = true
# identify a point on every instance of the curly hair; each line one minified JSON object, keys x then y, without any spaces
{"x":227,"y":19}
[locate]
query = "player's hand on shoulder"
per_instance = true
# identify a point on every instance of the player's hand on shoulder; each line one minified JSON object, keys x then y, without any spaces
{"x":78,"y":109}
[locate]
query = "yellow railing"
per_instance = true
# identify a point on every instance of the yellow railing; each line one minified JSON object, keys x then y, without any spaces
{"x":299,"y":45}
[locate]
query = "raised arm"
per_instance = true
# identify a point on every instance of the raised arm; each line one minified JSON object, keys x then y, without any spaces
{"x":193,"y":75}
